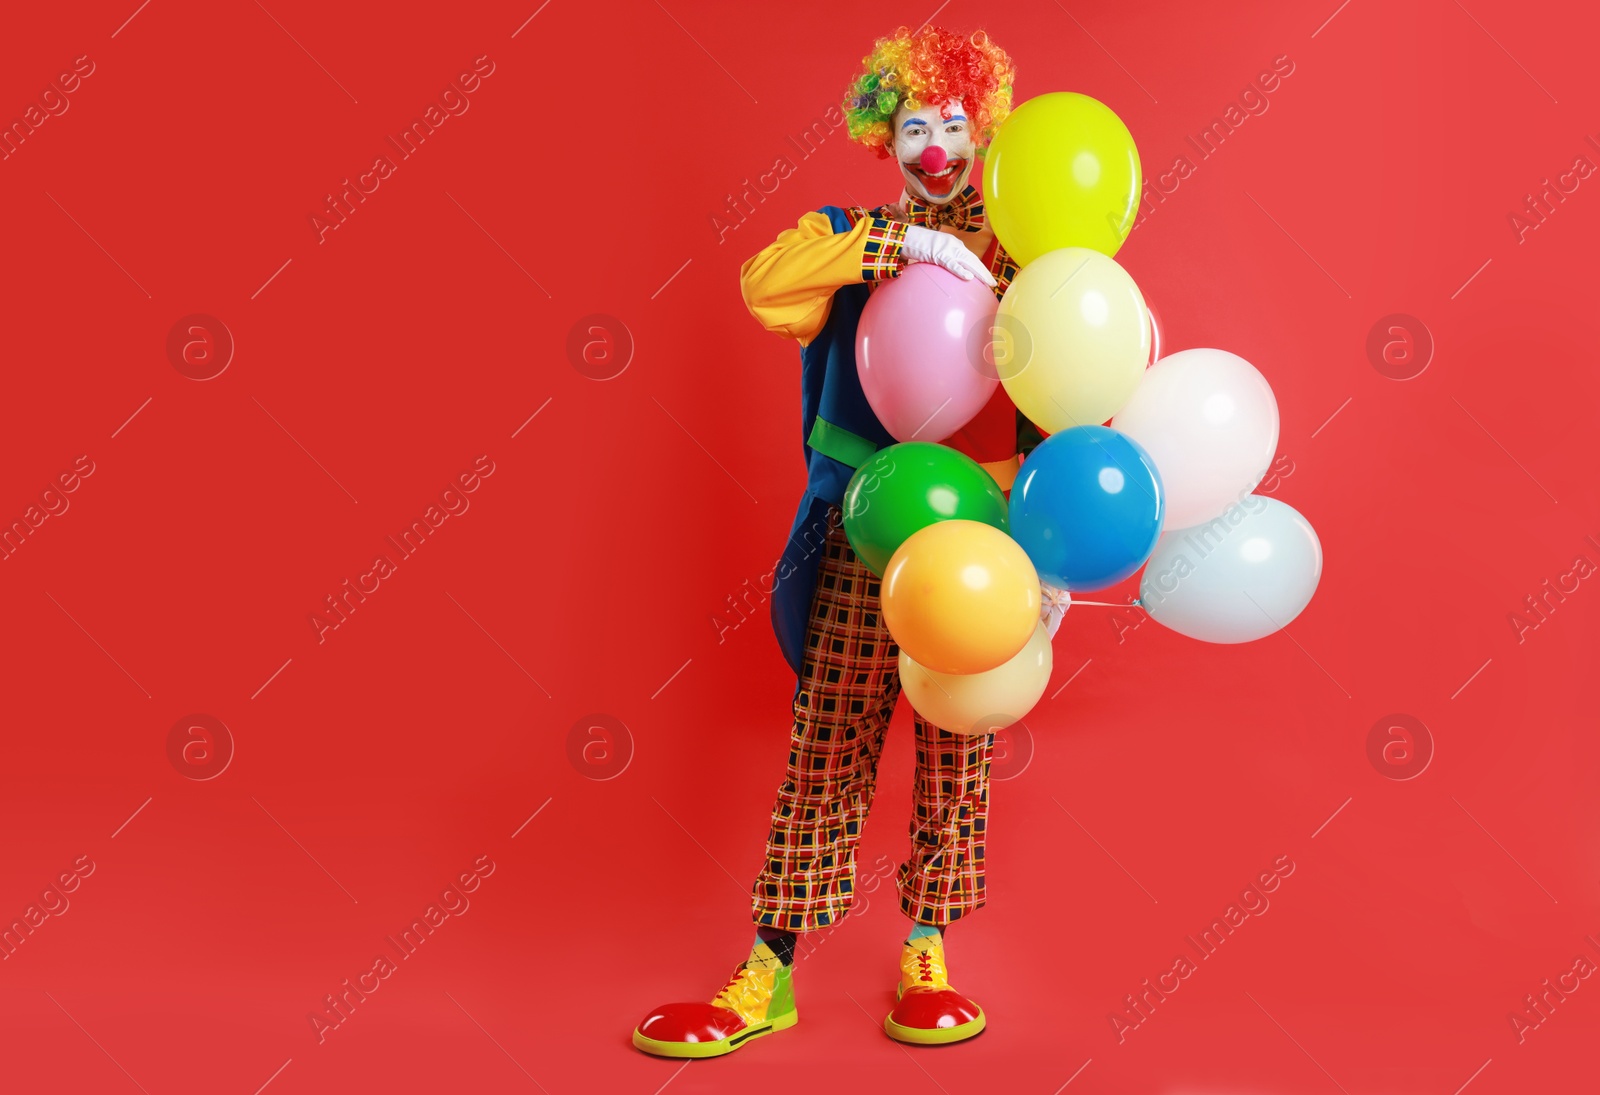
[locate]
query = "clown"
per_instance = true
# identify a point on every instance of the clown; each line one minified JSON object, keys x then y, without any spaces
{"x":931,"y":101}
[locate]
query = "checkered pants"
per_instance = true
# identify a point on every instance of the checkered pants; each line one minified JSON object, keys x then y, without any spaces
{"x":848,"y":688}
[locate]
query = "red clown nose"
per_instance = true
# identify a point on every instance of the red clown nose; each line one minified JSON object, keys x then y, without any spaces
{"x":934,"y":159}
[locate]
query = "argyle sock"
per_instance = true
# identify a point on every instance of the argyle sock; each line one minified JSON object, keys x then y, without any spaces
{"x":919,"y":931}
{"x":773,"y":947}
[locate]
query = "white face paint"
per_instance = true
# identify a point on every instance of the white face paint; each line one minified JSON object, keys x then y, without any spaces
{"x":935,"y":135}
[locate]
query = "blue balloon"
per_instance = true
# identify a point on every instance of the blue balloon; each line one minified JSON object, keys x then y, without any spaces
{"x":1087,"y":507}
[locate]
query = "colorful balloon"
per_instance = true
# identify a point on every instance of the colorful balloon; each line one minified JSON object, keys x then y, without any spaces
{"x":980,"y":703}
{"x":960,"y":597}
{"x":1061,"y":172}
{"x":1157,"y":335}
{"x":912,"y":352}
{"x":1087,"y":507}
{"x":1236,"y":578}
{"x":1210,"y":422}
{"x":1071,"y":339}
{"x":906,"y":487}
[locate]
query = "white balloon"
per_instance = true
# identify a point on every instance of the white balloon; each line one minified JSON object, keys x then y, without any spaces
{"x":1209,"y":421}
{"x":1240,"y":576}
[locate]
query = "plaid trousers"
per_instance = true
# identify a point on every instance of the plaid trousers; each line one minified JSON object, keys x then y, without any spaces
{"x":846,"y":695}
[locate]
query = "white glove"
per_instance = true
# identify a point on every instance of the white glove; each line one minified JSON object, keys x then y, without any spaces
{"x":943,"y":249}
{"x":1053,"y":604}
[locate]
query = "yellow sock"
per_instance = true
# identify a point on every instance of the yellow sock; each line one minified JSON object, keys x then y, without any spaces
{"x":773,"y":948}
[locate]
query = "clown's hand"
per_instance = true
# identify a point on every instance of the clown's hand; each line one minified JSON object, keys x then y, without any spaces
{"x":943,"y":249}
{"x":1053,"y":604}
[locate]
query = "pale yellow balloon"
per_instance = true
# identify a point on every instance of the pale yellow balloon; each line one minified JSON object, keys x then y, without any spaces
{"x":980,"y":703}
{"x":1071,"y":339}
{"x":960,"y":596}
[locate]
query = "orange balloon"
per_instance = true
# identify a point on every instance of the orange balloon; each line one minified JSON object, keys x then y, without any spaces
{"x":960,"y":597}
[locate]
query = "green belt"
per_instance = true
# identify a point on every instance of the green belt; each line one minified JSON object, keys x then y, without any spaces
{"x":850,"y":449}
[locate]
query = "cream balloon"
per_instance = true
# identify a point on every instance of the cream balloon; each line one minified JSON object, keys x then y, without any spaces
{"x":980,"y":703}
{"x":1209,"y":421}
{"x":1071,"y":339}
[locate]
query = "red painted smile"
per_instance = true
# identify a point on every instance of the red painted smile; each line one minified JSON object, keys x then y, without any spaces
{"x":939,"y":183}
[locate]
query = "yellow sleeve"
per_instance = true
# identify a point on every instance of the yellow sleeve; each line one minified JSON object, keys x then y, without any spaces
{"x":789,"y":285}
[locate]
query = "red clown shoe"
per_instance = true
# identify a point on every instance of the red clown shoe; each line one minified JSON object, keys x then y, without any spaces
{"x":753,"y":1002}
{"x":928,"y":1011}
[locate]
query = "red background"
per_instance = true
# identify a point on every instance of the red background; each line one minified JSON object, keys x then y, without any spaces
{"x":372,"y":768}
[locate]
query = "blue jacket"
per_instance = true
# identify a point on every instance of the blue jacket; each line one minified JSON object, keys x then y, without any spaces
{"x":838,"y":431}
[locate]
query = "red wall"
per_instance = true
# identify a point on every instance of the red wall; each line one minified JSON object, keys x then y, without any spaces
{"x":374,"y":363}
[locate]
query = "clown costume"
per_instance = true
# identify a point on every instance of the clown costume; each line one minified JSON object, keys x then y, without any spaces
{"x":930,"y":101}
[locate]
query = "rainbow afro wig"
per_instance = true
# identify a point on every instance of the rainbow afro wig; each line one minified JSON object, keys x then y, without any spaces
{"x":933,"y":65}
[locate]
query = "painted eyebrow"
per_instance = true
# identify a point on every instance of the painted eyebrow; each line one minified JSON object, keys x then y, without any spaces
{"x":947,"y":121}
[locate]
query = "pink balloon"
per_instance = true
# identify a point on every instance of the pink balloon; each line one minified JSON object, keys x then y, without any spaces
{"x":1158,"y":336}
{"x":920,"y":352}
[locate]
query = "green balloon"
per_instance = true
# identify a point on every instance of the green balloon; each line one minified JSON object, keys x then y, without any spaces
{"x":909,"y":486}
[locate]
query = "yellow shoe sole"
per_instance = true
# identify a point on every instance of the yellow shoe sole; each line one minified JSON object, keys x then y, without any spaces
{"x":713,"y":1049}
{"x":938,"y":1036}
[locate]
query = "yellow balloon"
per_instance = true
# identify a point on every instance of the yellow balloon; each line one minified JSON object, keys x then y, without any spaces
{"x":960,"y":596}
{"x":980,"y":703}
{"x":1071,"y":339}
{"x":1061,"y":172}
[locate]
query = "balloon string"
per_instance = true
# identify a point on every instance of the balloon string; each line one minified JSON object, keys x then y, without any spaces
{"x":1109,"y":604}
